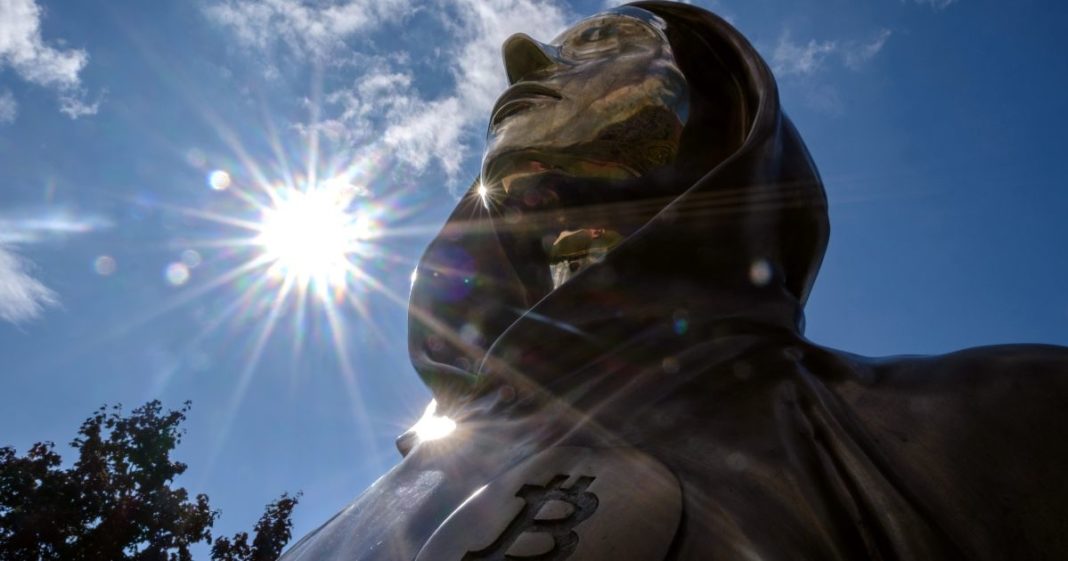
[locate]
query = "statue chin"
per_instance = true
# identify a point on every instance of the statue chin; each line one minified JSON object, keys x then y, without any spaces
{"x":574,"y":236}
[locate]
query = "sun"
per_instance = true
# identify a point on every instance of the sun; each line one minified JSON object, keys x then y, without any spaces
{"x":309,"y":243}
{"x":312,"y":236}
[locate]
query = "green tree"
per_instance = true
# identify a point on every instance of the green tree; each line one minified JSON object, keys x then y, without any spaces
{"x":117,"y":502}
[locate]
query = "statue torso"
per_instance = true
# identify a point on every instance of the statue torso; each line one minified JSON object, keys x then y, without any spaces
{"x":774,"y":454}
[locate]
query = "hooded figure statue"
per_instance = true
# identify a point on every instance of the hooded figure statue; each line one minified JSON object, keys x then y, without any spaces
{"x":613,"y":316}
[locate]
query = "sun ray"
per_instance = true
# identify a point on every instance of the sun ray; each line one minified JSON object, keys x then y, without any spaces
{"x":215,"y":217}
{"x":297,"y":241}
{"x":245,"y":376}
{"x":193,"y":293}
{"x":313,"y":129}
{"x":360,"y":305}
{"x":301,"y":298}
{"x":243,"y":270}
{"x":215,"y":322}
{"x":361,"y":420}
{"x":275,"y":142}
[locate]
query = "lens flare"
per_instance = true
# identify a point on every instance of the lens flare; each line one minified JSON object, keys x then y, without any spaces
{"x":104,"y":265}
{"x":219,"y":180}
{"x":295,"y":248}
{"x":191,"y":258}
{"x":176,"y":274}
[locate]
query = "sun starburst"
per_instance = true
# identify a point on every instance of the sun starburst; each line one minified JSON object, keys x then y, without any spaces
{"x":317,"y":250}
{"x":310,"y":237}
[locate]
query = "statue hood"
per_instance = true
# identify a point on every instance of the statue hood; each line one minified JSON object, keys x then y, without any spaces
{"x":684,"y":347}
{"x":735,"y":245}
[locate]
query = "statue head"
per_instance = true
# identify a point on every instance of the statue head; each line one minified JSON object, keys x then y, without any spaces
{"x":606,"y":100}
{"x":639,"y":164}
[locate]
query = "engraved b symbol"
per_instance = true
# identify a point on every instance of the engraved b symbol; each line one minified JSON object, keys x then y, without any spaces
{"x":544,"y":528}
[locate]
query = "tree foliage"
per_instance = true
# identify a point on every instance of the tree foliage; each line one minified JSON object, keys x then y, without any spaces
{"x":117,"y":502}
{"x":272,"y":533}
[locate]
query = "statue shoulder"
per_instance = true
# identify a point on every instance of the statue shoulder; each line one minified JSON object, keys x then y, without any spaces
{"x":996,"y":389}
{"x":1018,"y":355}
{"x":1020,"y":362}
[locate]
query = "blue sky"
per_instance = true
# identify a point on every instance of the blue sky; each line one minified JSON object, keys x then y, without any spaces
{"x":937,"y":125}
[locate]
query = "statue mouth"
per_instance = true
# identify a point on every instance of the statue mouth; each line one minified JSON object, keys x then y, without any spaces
{"x":519,"y":98}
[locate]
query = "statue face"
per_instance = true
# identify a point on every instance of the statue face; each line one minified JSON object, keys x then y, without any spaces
{"x":605,"y":99}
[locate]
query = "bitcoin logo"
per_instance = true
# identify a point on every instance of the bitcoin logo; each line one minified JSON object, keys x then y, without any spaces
{"x":566,"y":503}
{"x":545,"y":527}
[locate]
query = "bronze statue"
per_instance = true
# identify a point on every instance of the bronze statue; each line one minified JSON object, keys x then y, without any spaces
{"x":613,"y":316}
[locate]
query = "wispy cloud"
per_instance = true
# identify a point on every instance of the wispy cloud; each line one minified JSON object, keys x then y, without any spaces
{"x":305,"y":28}
{"x":445,"y":127}
{"x":859,"y":54}
{"x":937,"y":4}
{"x":608,"y":4}
{"x":23,"y":49}
{"x":9,"y":108}
{"x":22,"y":297}
{"x":790,"y":58}
{"x":34,"y":226}
{"x":384,"y":103}
{"x":74,"y":104}
{"x":801,"y":64}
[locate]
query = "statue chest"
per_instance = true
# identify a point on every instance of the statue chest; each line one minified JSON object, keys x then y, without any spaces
{"x":565,"y":503}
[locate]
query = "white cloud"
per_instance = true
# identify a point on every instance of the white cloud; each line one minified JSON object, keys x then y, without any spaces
{"x":432,"y":131}
{"x":384,"y":104}
{"x":22,"y":297}
{"x":24,"y":50}
{"x":22,"y":47}
{"x":482,"y":28}
{"x":442,"y":129}
{"x":9,"y":108}
{"x":308,"y":28}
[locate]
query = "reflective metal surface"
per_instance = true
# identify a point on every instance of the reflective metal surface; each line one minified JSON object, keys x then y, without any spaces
{"x":574,"y":250}
{"x":573,"y":503}
{"x":605,"y":99}
{"x":668,"y":397}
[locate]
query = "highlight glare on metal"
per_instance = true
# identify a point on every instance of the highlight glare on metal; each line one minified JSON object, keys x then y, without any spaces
{"x":432,"y":426}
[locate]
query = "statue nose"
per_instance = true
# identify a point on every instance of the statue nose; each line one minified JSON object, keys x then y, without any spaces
{"x":524,"y":56}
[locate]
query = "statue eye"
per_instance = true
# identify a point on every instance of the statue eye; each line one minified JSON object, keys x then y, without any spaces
{"x":604,"y":37}
{"x":597,"y":33}
{"x":593,"y":41}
